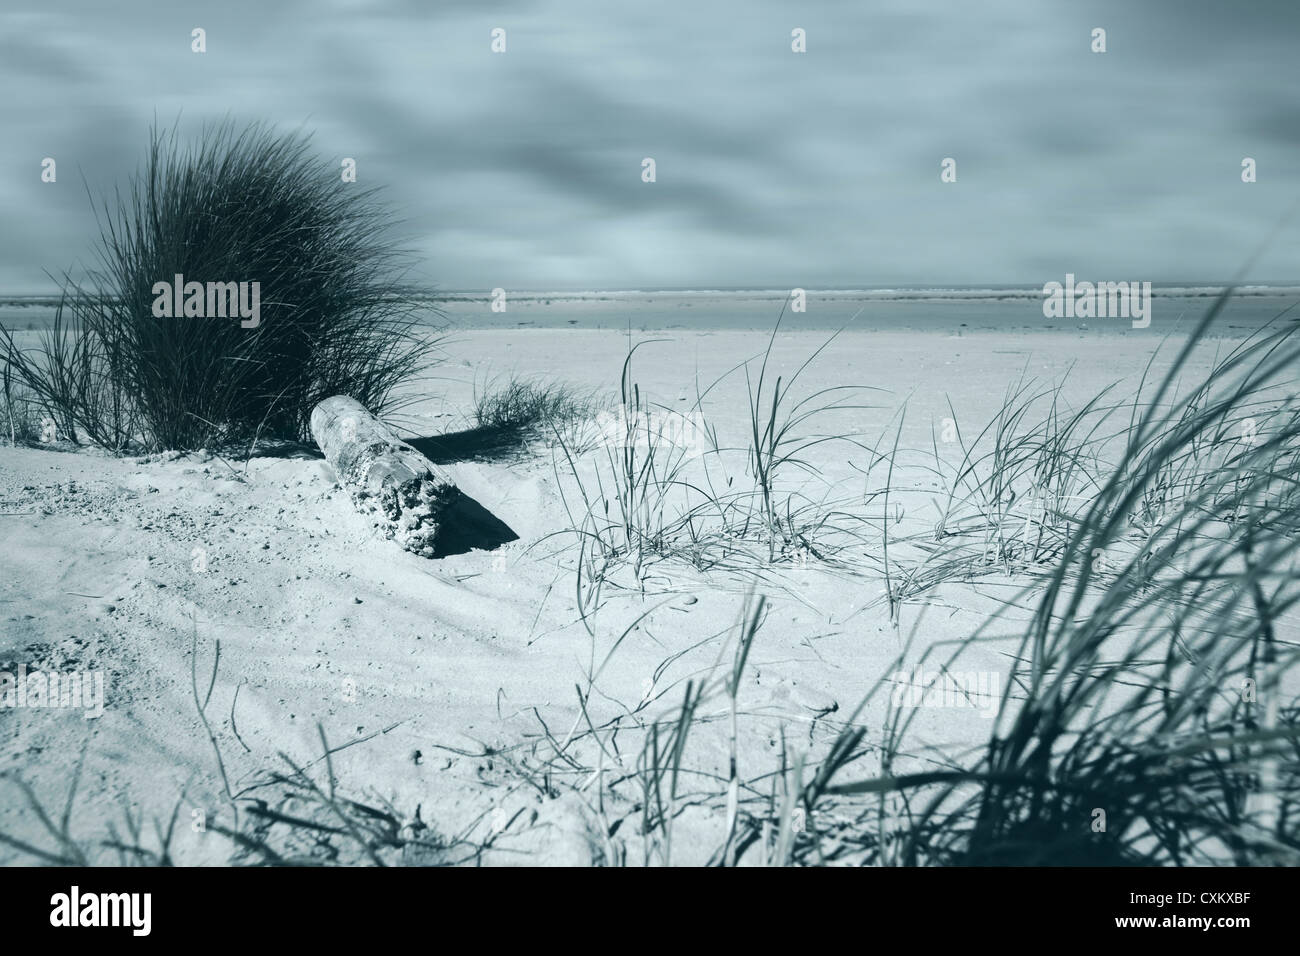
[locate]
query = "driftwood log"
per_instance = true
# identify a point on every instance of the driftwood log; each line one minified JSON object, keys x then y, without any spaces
{"x":409,"y":498}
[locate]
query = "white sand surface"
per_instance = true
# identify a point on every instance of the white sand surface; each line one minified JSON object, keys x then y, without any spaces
{"x":432,"y":666}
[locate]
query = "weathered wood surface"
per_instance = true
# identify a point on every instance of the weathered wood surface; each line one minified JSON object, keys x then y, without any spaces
{"x":410,"y":499}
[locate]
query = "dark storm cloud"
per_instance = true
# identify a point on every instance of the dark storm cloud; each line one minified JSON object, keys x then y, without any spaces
{"x":774,"y":169}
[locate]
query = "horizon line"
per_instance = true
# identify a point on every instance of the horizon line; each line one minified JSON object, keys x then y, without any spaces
{"x":1198,"y":288}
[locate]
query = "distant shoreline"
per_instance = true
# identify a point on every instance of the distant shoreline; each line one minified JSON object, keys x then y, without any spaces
{"x":883,"y":294}
{"x":1014,"y":311}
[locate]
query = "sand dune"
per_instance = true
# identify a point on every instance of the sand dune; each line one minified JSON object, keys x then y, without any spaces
{"x":439,"y":672}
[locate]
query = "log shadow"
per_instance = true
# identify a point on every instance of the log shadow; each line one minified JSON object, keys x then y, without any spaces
{"x":465,"y":525}
{"x":486,"y":443}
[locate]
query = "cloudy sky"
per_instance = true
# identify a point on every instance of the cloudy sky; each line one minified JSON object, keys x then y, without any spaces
{"x":774,"y":169}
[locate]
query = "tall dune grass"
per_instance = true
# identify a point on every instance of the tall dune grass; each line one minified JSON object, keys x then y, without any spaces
{"x":1154,"y":713}
{"x":659,"y":486}
{"x":238,"y":205}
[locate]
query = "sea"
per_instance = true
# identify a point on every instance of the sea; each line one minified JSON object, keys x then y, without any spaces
{"x":1173,"y":308}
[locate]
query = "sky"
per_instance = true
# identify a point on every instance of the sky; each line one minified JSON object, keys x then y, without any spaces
{"x":774,"y":169}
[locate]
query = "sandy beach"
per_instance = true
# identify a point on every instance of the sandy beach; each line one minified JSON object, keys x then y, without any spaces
{"x":439,"y":679}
